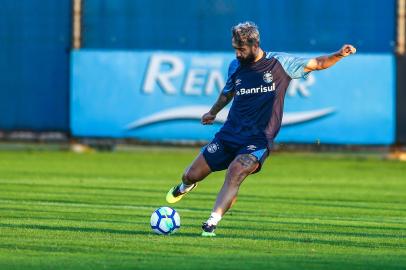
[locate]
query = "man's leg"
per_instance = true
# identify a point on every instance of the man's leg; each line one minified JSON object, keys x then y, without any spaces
{"x":196,"y":172}
{"x":242,"y":166}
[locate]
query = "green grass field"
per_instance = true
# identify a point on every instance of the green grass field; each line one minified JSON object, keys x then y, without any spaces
{"x":60,"y":210}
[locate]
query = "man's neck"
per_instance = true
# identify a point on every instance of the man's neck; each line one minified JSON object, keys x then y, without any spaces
{"x":259,"y":55}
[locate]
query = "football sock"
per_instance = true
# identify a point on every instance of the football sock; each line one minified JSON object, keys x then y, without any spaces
{"x":214,"y":219}
{"x":185,"y":188}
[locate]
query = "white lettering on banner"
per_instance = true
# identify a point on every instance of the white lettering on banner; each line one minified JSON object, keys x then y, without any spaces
{"x":202,"y":77}
{"x":154,"y":73}
{"x":301,"y":86}
{"x":163,"y":69}
{"x":215,"y":79}
{"x":198,"y":81}
{"x":194,"y":81}
{"x":207,"y":61}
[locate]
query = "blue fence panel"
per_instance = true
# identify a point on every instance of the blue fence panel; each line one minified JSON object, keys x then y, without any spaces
{"x":161,"y":96}
{"x":34,"y":69}
{"x":290,"y":25}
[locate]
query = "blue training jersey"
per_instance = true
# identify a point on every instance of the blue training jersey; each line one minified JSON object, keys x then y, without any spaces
{"x":259,"y":91}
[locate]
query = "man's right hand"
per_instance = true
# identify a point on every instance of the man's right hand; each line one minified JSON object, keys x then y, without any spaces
{"x":208,"y":118}
{"x":347,"y":50}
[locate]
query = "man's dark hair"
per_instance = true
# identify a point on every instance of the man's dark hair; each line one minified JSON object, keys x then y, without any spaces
{"x":245,"y":33}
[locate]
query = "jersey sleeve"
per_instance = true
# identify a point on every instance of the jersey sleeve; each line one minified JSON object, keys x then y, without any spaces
{"x":232,"y":68}
{"x":294,"y":66}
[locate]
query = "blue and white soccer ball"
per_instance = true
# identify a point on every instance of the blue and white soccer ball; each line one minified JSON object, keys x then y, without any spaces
{"x":165,"y":220}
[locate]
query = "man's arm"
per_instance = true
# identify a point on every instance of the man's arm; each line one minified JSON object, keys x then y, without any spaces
{"x":222,"y":101}
{"x":326,"y":61}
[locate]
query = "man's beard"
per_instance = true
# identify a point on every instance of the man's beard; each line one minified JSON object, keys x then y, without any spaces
{"x":247,"y":60}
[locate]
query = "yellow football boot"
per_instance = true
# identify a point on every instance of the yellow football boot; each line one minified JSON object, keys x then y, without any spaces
{"x":174,"y":195}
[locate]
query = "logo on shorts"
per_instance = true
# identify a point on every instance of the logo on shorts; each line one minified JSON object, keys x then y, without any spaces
{"x":251,"y":147}
{"x":268,"y":78}
{"x":213,"y":147}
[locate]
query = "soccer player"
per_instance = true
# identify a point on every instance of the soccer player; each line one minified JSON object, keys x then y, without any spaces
{"x":257,"y":80}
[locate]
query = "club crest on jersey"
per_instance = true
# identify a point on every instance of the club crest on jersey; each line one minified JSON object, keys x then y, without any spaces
{"x":268,"y":78}
{"x":212,"y":148}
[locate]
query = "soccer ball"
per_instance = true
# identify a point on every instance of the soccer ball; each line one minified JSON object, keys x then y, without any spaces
{"x":165,"y":220}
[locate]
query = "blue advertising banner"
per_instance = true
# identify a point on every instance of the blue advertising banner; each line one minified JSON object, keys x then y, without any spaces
{"x":161,"y":95}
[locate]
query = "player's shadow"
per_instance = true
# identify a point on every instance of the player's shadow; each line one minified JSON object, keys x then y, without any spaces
{"x":86,"y":229}
{"x":319,"y":232}
{"x":340,"y":243}
{"x":73,"y":213}
{"x":73,"y":229}
{"x":319,"y":224}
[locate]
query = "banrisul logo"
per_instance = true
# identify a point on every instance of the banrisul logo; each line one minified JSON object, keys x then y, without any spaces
{"x":183,"y":86}
{"x":256,"y":90}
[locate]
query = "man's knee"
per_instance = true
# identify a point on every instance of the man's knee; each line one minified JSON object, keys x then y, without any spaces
{"x":236,"y":174}
{"x":240,"y":168}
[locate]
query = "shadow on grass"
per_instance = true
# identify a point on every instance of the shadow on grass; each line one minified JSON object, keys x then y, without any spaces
{"x":76,"y":219}
{"x":80,"y":229}
{"x":321,"y":232}
{"x":76,"y":213}
{"x":322,"y":203}
{"x":73,"y":229}
{"x":340,"y":243}
{"x":303,"y":224}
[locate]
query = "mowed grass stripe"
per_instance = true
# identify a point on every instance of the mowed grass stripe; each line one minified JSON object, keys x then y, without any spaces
{"x":269,"y":212}
{"x":115,"y":191}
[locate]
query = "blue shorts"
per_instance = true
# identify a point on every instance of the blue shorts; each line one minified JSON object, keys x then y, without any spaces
{"x":219,"y":153}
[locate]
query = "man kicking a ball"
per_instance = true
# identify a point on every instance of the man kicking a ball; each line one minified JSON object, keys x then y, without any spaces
{"x":257,"y":80}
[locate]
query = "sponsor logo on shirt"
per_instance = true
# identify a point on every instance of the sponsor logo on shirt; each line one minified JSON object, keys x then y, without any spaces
{"x":256,"y":90}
